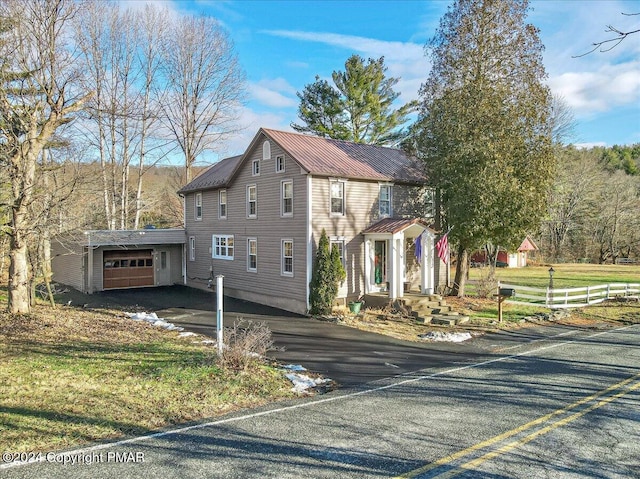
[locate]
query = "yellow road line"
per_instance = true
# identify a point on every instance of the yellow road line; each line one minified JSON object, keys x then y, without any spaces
{"x":501,"y":437}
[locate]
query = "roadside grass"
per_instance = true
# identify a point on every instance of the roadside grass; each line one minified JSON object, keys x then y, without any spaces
{"x":71,"y":376}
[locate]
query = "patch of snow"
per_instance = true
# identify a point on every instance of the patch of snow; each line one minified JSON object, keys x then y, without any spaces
{"x":186,"y":334}
{"x":442,"y":336}
{"x":152,"y":318}
{"x":294,"y":367}
{"x":302,"y":382}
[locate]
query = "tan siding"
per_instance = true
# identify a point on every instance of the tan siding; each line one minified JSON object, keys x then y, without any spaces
{"x":408,"y":201}
{"x":361,"y":210}
{"x":267,"y":285}
{"x":67,"y":264}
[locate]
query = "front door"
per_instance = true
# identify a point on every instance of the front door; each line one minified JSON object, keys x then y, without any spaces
{"x":163,"y":270}
{"x":380,"y":265}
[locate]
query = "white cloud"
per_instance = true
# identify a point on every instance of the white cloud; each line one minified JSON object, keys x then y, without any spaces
{"x":404,"y":60}
{"x":591,"y":92}
{"x":276,"y":93}
{"x":251,"y":121}
{"x":586,"y":146}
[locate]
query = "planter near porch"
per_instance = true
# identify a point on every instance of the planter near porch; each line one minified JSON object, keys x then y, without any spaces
{"x":355,"y":306}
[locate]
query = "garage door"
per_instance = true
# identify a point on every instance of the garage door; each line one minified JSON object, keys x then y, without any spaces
{"x":127,"y":269}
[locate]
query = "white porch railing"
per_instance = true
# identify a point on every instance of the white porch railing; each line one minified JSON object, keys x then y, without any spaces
{"x":571,"y":297}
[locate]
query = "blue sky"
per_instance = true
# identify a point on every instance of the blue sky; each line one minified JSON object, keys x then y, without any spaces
{"x":283,"y":45}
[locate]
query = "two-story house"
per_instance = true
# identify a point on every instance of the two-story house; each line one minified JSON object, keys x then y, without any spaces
{"x":256,"y":219}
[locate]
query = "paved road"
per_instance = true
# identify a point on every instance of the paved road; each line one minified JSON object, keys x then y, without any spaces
{"x":563,"y":407}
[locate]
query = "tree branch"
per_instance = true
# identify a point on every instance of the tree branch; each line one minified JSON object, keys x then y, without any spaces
{"x":611,"y":43}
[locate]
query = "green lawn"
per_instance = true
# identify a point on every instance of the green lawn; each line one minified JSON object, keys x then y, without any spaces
{"x":565,"y":276}
{"x":70,"y":376}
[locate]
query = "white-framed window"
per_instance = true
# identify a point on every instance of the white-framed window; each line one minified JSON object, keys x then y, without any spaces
{"x":337,"y":197}
{"x":266,"y":150}
{"x":192,"y":248}
{"x":252,"y":255}
{"x":252,"y":201}
{"x":280,"y":164}
{"x":384,"y":201}
{"x":255,"y":168}
{"x":222,"y":204}
{"x":286,"y":197}
{"x":287,"y":257}
{"x":339,"y":243}
{"x":198,"y":207}
{"x":222,"y":247}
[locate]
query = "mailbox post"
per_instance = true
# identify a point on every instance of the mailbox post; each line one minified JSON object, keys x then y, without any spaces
{"x":503,"y":293}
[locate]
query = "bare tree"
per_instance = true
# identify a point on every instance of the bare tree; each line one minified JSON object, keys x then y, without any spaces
{"x":38,"y":94}
{"x":152,"y":26}
{"x":610,"y":43}
{"x":205,"y":86}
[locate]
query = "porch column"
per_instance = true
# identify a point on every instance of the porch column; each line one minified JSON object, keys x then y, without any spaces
{"x":368,"y":260}
{"x":396,"y":260}
{"x":426,"y":264}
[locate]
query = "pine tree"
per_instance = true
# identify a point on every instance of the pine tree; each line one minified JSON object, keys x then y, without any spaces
{"x":328,"y":272}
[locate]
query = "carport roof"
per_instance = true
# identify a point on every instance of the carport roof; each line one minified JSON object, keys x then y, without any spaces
{"x":131,"y":237}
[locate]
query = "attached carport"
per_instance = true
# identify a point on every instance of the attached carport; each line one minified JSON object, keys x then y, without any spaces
{"x":98,"y":260}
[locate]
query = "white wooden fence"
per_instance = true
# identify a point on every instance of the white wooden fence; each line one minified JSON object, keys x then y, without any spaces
{"x":571,"y":297}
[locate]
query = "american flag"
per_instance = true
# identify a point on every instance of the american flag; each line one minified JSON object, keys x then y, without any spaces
{"x":442,"y":246}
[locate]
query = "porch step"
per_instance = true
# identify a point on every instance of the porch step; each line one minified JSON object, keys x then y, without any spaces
{"x":449,"y":320}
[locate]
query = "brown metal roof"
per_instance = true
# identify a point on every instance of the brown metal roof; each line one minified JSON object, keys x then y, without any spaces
{"x":327,"y":157}
{"x":323,"y":157}
{"x":217,"y":176}
{"x":394,"y":225}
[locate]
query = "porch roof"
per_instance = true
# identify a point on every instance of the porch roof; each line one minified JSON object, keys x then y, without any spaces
{"x":395,"y":225}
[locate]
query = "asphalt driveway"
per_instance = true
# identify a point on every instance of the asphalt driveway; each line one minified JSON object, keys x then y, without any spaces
{"x":348,"y":356}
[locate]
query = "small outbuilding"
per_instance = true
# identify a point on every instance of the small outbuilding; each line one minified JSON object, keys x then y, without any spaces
{"x":98,"y":260}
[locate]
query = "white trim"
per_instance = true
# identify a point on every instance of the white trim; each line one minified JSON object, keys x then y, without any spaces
{"x":192,"y":248}
{"x":254,"y":215}
{"x":266,"y":150}
{"x":278,"y":158}
{"x":197,"y":204}
{"x":288,"y":274}
{"x":226,"y":204}
{"x":390,"y":200}
{"x":309,"y":268}
{"x":282,"y":212}
{"x":249,"y":241}
{"x":255,"y":167}
{"x":344,"y":198}
{"x":224,"y":247}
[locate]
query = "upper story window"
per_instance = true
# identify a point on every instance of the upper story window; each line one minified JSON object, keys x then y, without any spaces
{"x":287,"y":198}
{"x":198,"y":207}
{"x":255,"y":167}
{"x":279,"y":163}
{"x":337,"y":197}
{"x":222,"y":204}
{"x":384,"y":200}
{"x":222,"y":247}
{"x":266,"y":150}
{"x":252,"y":201}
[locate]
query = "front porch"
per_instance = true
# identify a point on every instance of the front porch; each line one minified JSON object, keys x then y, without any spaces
{"x":399,"y":257}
